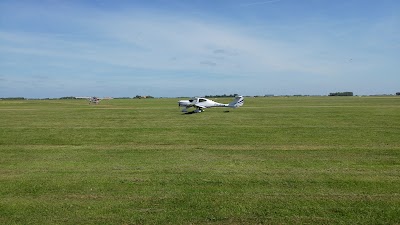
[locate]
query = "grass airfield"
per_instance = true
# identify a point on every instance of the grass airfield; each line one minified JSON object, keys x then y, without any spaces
{"x":295,"y":160}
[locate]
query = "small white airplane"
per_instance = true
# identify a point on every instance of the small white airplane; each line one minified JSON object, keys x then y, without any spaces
{"x":92,"y":100}
{"x":202,"y":103}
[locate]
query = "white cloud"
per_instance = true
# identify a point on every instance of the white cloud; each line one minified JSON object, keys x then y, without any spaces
{"x":152,"y":40}
{"x":149,"y":40}
{"x":135,"y":42}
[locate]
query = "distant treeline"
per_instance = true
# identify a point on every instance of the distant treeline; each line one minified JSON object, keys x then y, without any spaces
{"x":13,"y":98}
{"x":221,"y":96}
{"x":68,"y":97}
{"x":136,"y":97}
{"x":348,"y":93}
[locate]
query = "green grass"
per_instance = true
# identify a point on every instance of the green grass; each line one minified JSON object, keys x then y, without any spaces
{"x":297,"y":160}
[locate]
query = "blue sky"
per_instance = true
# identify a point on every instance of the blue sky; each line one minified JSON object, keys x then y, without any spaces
{"x":170,"y":48}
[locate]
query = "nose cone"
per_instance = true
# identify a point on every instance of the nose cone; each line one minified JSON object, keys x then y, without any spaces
{"x":183,"y":102}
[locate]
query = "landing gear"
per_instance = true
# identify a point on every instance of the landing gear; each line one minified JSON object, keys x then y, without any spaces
{"x":198,"y":110}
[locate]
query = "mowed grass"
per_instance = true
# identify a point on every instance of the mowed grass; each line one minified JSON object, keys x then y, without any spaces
{"x":296,"y":160}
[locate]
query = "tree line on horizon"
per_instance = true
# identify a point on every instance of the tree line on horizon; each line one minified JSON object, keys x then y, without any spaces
{"x":221,"y":96}
{"x":347,"y":93}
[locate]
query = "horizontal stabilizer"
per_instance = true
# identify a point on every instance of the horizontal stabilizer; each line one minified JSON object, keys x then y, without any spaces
{"x":239,"y":101}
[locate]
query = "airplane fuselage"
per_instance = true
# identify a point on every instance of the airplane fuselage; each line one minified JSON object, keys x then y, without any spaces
{"x":202,"y":103}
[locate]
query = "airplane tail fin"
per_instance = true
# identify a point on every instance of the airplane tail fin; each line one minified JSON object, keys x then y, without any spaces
{"x":239,"y":101}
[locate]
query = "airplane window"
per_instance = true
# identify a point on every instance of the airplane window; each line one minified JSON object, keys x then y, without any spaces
{"x":202,"y":100}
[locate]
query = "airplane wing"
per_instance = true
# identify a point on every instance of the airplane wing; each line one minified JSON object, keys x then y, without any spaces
{"x":200,"y":106}
{"x":105,"y":98}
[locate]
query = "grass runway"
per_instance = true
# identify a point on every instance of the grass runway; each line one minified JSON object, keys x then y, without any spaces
{"x":295,"y":160}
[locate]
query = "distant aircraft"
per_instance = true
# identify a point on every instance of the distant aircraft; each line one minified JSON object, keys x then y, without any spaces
{"x":202,"y":103}
{"x":92,"y":100}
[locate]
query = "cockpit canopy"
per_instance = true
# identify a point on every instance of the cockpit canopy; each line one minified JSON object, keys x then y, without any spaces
{"x":196,"y":99}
